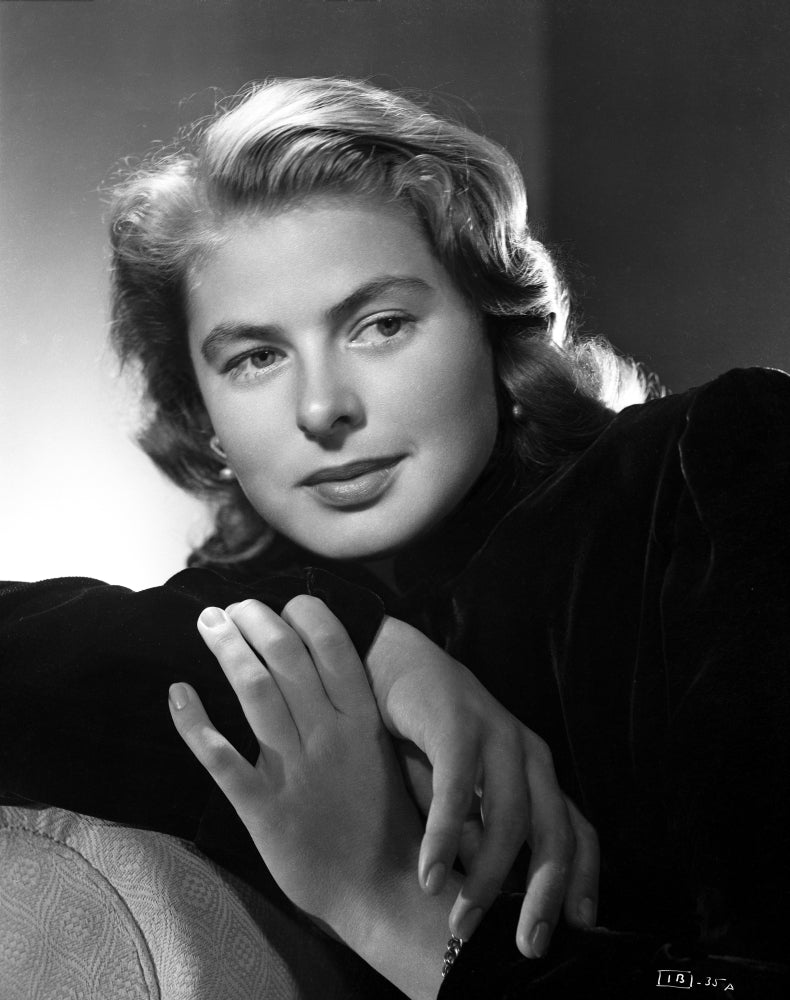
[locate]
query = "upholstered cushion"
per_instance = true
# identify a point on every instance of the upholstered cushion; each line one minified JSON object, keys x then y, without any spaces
{"x":94,"y":911}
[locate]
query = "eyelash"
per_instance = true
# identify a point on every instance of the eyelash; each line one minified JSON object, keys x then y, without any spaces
{"x":403,"y":318}
{"x":234,"y":367}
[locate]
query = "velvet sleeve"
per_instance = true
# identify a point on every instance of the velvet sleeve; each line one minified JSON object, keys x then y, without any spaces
{"x":700,"y":644}
{"x":84,"y":673}
{"x":710,"y":717}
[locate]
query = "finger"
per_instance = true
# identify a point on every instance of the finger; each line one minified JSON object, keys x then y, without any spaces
{"x":506,"y":816}
{"x":418,"y":774}
{"x":454,"y":772}
{"x":286,"y":658}
{"x":333,"y":654}
{"x":553,"y":844}
{"x":259,"y":695}
{"x":581,"y":898}
{"x":235,"y":776}
{"x":471,"y":841}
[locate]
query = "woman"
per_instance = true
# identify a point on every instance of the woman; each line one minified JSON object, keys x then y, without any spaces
{"x":350,"y":339}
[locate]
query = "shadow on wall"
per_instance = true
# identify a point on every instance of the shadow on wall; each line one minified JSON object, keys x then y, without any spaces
{"x":669,"y":161}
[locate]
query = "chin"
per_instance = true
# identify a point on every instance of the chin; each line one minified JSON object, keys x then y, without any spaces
{"x":364,"y":536}
{"x":358,"y":545}
{"x":354,"y":550}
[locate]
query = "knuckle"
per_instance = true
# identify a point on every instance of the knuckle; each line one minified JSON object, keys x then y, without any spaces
{"x":566,"y":845}
{"x":279,"y":644}
{"x":511,"y":730}
{"x":226,"y":645}
{"x":212,"y":751}
{"x":246,"y":610}
{"x":218,"y":758}
{"x":304,"y":607}
{"x":540,"y":752}
{"x":328,"y":635}
{"x":505,"y":753}
{"x":558,"y":843}
{"x":587,"y":832}
{"x":190,"y":731}
{"x":251,"y":685}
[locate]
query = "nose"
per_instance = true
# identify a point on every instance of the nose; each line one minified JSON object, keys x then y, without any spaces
{"x":329,"y":402}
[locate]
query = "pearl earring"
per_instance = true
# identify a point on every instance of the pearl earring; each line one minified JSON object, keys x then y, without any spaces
{"x":517,"y":411}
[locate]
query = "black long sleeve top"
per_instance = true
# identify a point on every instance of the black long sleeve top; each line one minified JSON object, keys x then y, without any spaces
{"x":633,"y":609}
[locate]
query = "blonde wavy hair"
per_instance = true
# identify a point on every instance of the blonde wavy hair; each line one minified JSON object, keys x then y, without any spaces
{"x":284,"y":140}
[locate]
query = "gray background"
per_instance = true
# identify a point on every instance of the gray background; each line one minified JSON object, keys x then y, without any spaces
{"x":653,"y":134}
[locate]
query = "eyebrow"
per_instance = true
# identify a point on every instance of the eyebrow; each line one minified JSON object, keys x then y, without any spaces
{"x":227,"y":333}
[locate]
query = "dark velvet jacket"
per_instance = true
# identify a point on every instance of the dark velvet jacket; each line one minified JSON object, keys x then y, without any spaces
{"x":633,"y":609}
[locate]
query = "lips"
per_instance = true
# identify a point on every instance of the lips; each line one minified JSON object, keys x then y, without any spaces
{"x":354,"y":484}
{"x":351,"y":470}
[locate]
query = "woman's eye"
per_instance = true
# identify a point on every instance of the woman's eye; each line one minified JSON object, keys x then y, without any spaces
{"x":382,"y":329}
{"x":251,"y":365}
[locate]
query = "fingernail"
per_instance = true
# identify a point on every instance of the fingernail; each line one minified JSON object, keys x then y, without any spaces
{"x":434,"y":880}
{"x":539,"y":939}
{"x":467,"y":924}
{"x":587,"y":912}
{"x":179,"y":696}
{"x":212,"y":617}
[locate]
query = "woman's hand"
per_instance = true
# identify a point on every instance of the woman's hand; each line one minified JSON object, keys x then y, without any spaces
{"x":325,"y":803}
{"x":473,"y":743}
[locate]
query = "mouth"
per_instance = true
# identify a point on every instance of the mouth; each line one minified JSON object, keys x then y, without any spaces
{"x":351,"y":470}
{"x":355,"y":483}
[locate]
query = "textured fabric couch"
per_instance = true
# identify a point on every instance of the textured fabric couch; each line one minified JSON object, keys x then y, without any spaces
{"x":94,"y":911}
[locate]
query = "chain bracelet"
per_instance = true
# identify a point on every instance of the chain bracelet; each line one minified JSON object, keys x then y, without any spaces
{"x":454,"y":946}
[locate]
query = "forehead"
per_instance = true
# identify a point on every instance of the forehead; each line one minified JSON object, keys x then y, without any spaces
{"x":310,"y":255}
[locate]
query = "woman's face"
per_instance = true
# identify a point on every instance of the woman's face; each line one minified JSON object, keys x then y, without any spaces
{"x":349,"y":382}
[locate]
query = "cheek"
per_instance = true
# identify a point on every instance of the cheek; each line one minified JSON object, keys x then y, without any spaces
{"x":265,"y":477}
{"x":255,"y":443}
{"x":459,"y":398}
{"x":261,"y":458}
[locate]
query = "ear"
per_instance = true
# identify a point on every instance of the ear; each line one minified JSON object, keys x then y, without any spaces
{"x":217,"y":448}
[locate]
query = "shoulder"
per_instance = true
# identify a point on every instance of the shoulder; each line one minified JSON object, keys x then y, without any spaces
{"x":721,"y":442}
{"x":745,"y":395}
{"x":759,"y":387}
{"x":744,"y":413}
{"x":725,"y":445}
{"x":735,"y":450}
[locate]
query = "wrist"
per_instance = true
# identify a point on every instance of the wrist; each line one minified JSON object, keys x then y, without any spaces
{"x":403,"y":933}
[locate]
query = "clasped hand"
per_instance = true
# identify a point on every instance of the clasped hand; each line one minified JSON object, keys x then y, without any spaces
{"x":326,"y":804}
